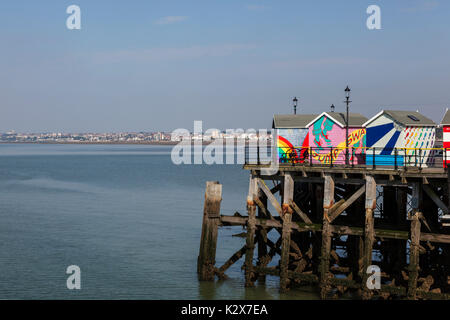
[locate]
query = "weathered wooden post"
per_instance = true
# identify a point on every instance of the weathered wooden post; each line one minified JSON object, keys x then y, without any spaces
{"x":288,"y":192}
{"x":369,"y":235}
{"x":262,"y":236}
{"x":415,"y":241}
{"x":251,"y":226}
{"x":414,"y":256}
{"x":328,"y":202}
{"x":208,"y":243}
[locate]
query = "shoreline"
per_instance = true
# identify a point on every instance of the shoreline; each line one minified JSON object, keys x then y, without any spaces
{"x":150,"y":143}
{"x":169,"y":143}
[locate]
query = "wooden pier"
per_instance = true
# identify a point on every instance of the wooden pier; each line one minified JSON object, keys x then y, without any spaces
{"x":335,"y":222}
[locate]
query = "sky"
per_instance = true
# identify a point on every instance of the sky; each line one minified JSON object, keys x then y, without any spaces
{"x":159,"y":65}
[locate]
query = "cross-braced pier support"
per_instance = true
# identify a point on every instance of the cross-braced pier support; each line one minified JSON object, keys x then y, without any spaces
{"x":332,"y":225}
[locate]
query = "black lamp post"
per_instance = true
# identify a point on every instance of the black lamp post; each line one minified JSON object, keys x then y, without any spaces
{"x":332,"y":108}
{"x":295,"y":100}
{"x":347,"y":101}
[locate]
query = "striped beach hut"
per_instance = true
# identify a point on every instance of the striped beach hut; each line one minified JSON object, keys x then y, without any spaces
{"x":327,"y":138}
{"x":402,"y":138}
{"x":292,"y":136}
{"x":445,"y":125}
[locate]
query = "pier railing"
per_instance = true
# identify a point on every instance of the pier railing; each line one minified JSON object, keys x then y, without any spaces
{"x":395,"y":158}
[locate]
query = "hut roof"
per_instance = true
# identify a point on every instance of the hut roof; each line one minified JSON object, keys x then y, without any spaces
{"x":355,"y":119}
{"x":446,"y":120}
{"x":406,"y":118}
{"x":294,"y":121}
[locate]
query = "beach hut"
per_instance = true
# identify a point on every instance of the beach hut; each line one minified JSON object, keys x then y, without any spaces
{"x":292,"y":136}
{"x":327,"y":138}
{"x":445,"y":125}
{"x":402,"y":138}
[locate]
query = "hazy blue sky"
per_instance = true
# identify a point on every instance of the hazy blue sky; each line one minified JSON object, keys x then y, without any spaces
{"x":159,"y":65}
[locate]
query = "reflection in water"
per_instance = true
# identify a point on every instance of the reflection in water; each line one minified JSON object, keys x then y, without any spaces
{"x":235,"y":289}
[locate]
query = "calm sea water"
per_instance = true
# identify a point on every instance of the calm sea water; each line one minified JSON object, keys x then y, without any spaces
{"x":128,"y":217}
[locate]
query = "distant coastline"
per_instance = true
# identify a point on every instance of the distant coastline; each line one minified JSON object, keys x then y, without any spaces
{"x":155,"y":143}
{"x":162,"y":143}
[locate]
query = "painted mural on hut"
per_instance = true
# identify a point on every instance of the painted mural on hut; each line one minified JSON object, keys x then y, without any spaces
{"x":293,"y":145}
{"x":327,"y":142}
{"x":394,"y":144}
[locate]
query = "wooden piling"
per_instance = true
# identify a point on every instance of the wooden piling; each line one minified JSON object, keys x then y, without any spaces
{"x":414,"y":242}
{"x":251,"y":227}
{"x":328,"y":201}
{"x":369,"y":235}
{"x":261,"y":235}
{"x":288,"y":192}
{"x":208,"y":243}
{"x":414,"y":256}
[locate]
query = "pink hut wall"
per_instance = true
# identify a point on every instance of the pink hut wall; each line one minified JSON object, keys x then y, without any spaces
{"x":327,"y":142}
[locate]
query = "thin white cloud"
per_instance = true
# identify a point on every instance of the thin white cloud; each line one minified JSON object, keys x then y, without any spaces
{"x":422,"y":5}
{"x":170,"y":20}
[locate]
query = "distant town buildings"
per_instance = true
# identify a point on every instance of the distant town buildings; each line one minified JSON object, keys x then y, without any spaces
{"x":126,"y":137}
{"x":122,"y":137}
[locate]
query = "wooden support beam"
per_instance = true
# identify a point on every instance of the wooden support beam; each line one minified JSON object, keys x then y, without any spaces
{"x":434,"y":237}
{"x":335,"y":213}
{"x":270,"y":196}
{"x":435,"y":199}
{"x":288,"y":193}
{"x":288,"y":197}
{"x":339,"y":230}
{"x":276,"y":189}
{"x":336,"y":206}
{"x":242,"y":221}
{"x":251,"y":227}
{"x":263,"y":207}
{"x":369,"y":233}
{"x":235,"y":257}
{"x":409,"y":172}
{"x":274,"y":249}
{"x":301,"y":214}
{"x":431,"y":209}
{"x":324,"y":269}
{"x":381,"y":181}
{"x":305,"y":277}
{"x":208,"y":243}
{"x":414,"y":256}
{"x":304,"y":174}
